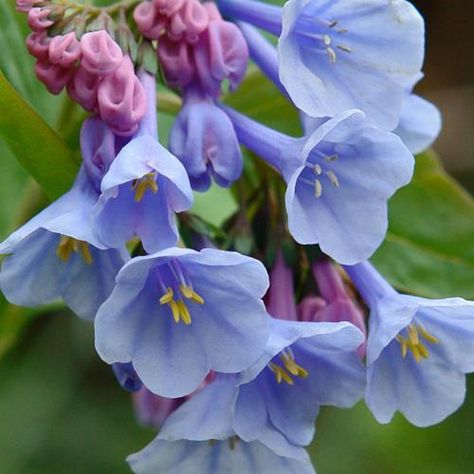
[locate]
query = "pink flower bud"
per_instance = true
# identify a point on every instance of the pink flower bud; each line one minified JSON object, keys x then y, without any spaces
{"x":280,"y":299}
{"x":168,"y":7}
{"x":150,"y":23}
{"x":24,"y":6}
{"x":38,"y":19}
{"x":189,"y":22}
{"x":37,"y":44}
{"x":311,"y":309}
{"x":83,"y":89}
{"x":212,"y":11}
{"x":176,"y":61}
{"x":152,"y":410}
{"x":64,"y":50}
{"x":228,"y":52}
{"x":53,"y":76}
{"x":101,"y":55}
{"x":122,"y":99}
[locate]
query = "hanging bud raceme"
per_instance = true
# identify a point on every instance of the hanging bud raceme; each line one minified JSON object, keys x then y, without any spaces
{"x":37,"y":44}
{"x":122,"y":99}
{"x":220,"y":54}
{"x":177,"y":62}
{"x":38,"y":19}
{"x":24,"y":6}
{"x":204,"y":140}
{"x":53,"y":76}
{"x":82,"y":87}
{"x":64,"y":50}
{"x":101,"y":55}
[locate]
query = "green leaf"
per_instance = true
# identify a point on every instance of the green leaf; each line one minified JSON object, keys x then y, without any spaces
{"x":429,"y":249}
{"x":35,"y":145}
{"x":260,"y":99}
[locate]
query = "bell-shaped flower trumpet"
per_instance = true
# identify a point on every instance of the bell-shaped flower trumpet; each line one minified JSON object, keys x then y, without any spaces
{"x":340,"y":176}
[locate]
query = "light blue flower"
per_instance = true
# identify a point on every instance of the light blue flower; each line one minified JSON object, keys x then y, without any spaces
{"x":336,"y":55}
{"x":177,"y":314}
{"x":204,"y":140}
{"x":420,"y":123}
{"x":230,"y":456}
{"x":143,"y":188}
{"x":339,"y":177}
{"x":198,"y":438}
{"x":57,"y":254}
{"x":276,"y":400}
{"x":418,"y":351}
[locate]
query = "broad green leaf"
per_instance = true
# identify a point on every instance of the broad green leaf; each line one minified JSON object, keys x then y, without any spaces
{"x":35,"y":145}
{"x":429,"y":248}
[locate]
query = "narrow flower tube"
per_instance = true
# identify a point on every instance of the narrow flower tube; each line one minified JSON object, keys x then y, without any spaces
{"x":418,"y":351}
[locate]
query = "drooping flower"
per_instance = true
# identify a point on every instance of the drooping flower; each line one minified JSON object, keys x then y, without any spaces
{"x":197,"y":438}
{"x":339,"y":177}
{"x":204,"y":140}
{"x":229,"y":456}
{"x":342,"y":54}
{"x":143,"y":188}
{"x":418,"y":351}
{"x":179,"y":313}
{"x":57,"y":253}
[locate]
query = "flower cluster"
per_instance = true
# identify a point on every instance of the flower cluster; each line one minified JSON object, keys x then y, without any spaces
{"x":223,"y":358}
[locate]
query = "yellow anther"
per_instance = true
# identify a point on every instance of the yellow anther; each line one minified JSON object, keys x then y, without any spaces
{"x":141,"y":186}
{"x":426,"y":335}
{"x":414,"y":344}
{"x":280,"y":374}
{"x":413,"y":334}
{"x":68,"y":245}
{"x":184,"y":312}
{"x":292,"y":366}
{"x":167,"y":297}
{"x":190,"y":294}
{"x":175,"y":310}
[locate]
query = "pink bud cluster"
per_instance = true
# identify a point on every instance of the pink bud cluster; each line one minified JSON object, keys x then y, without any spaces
{"x":94,"y":71}
{"x":195,"y":44}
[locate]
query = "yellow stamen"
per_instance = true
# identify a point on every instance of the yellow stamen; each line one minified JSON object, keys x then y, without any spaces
{"x":292,"y":366}
{"x":280,"y":374}
{"x":190,"y":294}
{"x":184,"y":312}
{"x":175,"y":310}
{"x":414,"y":344}
{"x":167,"y":297}
{"x":141,"y":186}
{"x":68,"y":245}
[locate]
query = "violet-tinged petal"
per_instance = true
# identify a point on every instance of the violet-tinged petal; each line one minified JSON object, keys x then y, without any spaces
{"x":175,"y":58}
{"x":127,"y":377}
{"x":204,"y":140}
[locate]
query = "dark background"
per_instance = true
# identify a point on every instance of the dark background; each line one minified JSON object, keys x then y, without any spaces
{"x":61,"y":411}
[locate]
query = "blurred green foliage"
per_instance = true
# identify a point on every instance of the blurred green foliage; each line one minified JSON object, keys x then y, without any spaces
{"x":60,"y":408}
